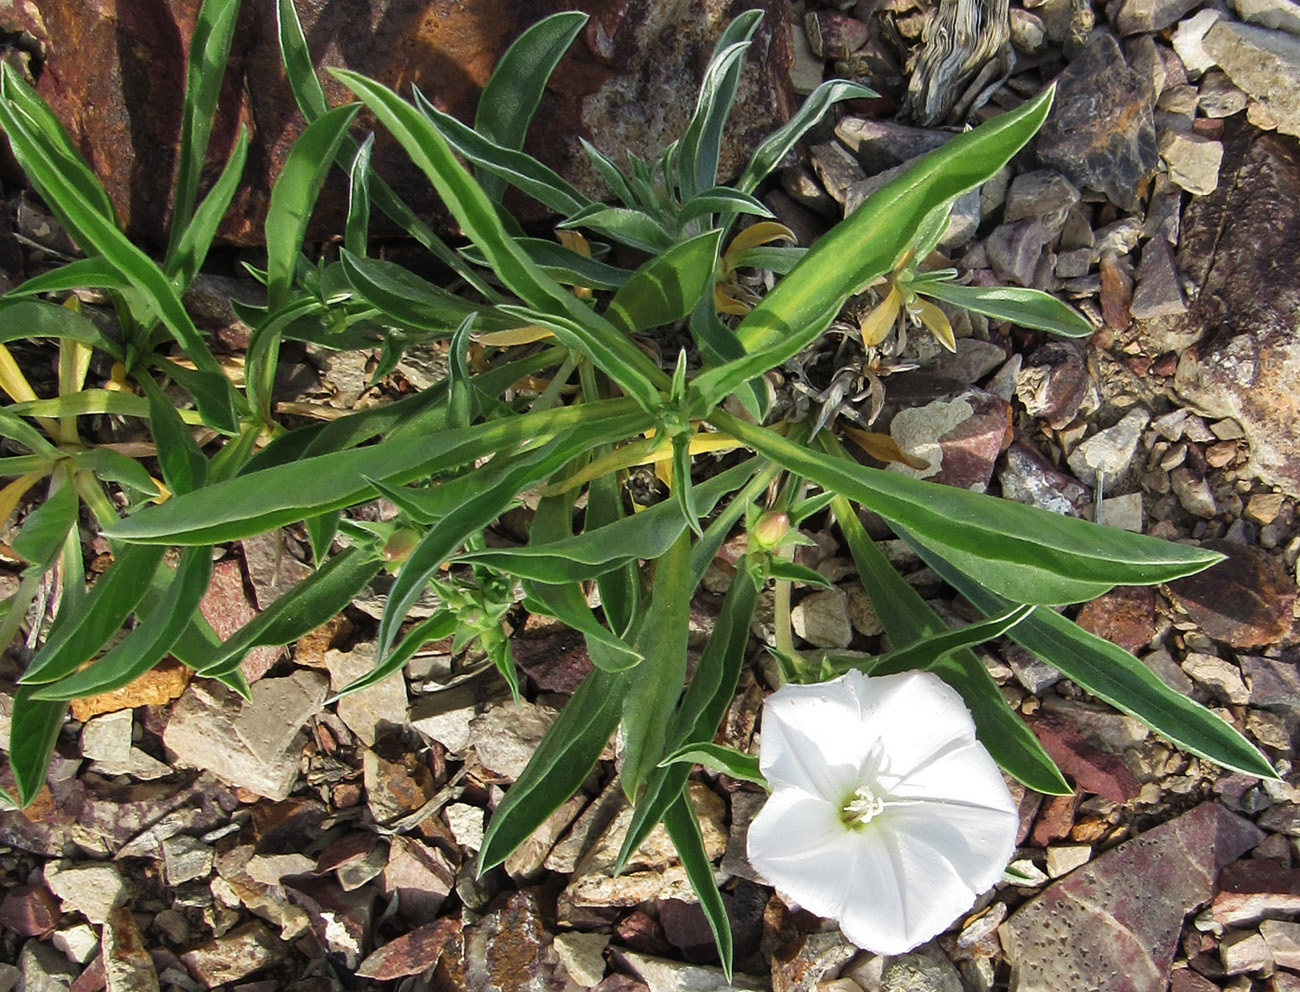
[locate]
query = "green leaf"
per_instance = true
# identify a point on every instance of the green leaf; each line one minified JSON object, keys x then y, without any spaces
{"x":864,"y":246}
{"x":1029,"y":308}
{"x":75,"y":639}
{"x":630,"y":227}
{"x":32,"y":736}
{"x":780,"y":141}
{"x":441,"y":624}
{"x":563,"y":760}
{"x":23,"y":320}
{"x":788,"y":571}
{"x":907,"y":618}
{"x":294,"y":195}
{"x":312,"y":602}
{"x":719,"y":759}
{"x":567,"y":604}
{"x":216,"y":401}
{"x":1112,"y":674}
{"x":514,"y":90}
{"x":284,"y":494}
{"x":720,"y":200}
{"x":925,"y":652}
{"x":184,"y":262}
{"x":358,"y":222}
{"x":610,"y":173}
{"x":684,"y":832}
{"x":571,"y":268}
{"x":1028,"y":554}
{"x":214,"y":27}
{"x":307,"y":90}
{"x":184,"y":468}
{"x":657,"y":681}
{"x":112,"y":466}
{"x":19,"y":431}
{"x":403,"y":296}
{"x":46,"y":527}
{"x":516,"y":168}
{"x":164,"y":616}
{"x":666,"y":288}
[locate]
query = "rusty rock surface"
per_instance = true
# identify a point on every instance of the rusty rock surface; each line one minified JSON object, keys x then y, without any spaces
{"x":114,"y":74}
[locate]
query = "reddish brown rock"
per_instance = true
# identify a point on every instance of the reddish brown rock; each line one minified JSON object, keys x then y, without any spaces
{"x":1245,"y":601}
{"x":1115,"y":922}
{"x":29,"y":911}
{"x":959,"y":438}
{"x":419,"y":876}
{"x":227,"y":607}
{"x":410,"y":953}
{"x":1255,"y":888}
{"x":1055,"y":819}
{"x":1092,"y":769}
{"x":628,"y":83}
{"x":1125,"y":616}
{"x":554,"y":656}
{"x":236,"y":955}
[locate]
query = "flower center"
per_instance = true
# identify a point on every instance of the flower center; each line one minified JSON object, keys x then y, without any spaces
{"x":861,"y":808}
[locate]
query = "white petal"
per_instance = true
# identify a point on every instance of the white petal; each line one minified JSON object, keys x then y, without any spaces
{"x":966,"y":774}
{"x":976,"y":842}
{"x":799,"y":845}
{"x":915,"y":715}
{"x":813,"y":739}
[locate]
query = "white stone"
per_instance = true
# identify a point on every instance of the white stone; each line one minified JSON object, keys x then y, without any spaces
{"x":1064,"y":858}
{"x":1264,"y":64}
{"x":186,"y":858}
{"x":1223,"y":677}
{"x":1245,"y":952}
{"x":1189,"y":41}
{"x":78,"y":943}
{"x":583,"y":956}
{"x":1109,"y":452}
{"x":106,"y":740}
{"x":662,"y":975}
{"x":466,"y":825}
{"x":1123,"y":512}
{"x":862,"y":612}
{"x":269,"y":869}
{"x":506,"y":736}
{"x":368,"y":711}
{"x":91,"y":890}
{"x":822,"y":619}
{"x":1193,"y":161}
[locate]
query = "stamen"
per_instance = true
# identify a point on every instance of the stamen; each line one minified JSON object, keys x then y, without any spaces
{"x":862,"y":808}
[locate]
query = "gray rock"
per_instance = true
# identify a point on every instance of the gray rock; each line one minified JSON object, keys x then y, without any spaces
{"x":836,"y":168}
{"x":370,"y":711}
{"x":924,"y":970}
{"x":663,"y":975}
{"x":506,"y":736}
{"x":1143,"y":16}
{"x":1265,"y":64}
{"x":1280,"y":15}
{"x":107,"y":741}
{"x":1218,"y":97}
{"x":963,"y":218}
{"x":1193,"y":161}
{"x":1243,"y":245}
{"x":1123,"y":512}
{"x":960,"y":438}
{"x":973,"y":360}
{"x":1193,"y":492}
{"x":91,"y":890}
{"x":1274,"y":685}
{"x":44,"y":969}
{"x":1014,"y":250}
{"x":445,"y":716}
{"x":1101,"y":133}
{"x":1039,"y":194}
{"x":1109,"y":452}
{"x":1284,"y":942}
{"x":822,"y":618}
{"x":883,"y":144}
{"x":1028,"y":477}
{"x":1189,"y":41}
{"x":186,"y":858}
{"x":1158,"y":292}
{"x":1221,"y":677}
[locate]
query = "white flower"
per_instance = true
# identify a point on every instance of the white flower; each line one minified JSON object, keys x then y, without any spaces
{"x":886,"y":814}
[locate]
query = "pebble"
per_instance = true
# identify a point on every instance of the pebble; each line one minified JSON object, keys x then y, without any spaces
{"x":1158,"y":292}
{"x":1242,"y":953}
{"x":1189,"y":41}
{"x":1283,"y":938}
{"x":466,"y":824}
{"x":42,"y":969}
{"x":128,"y":966}
{"x":367,"y":712}
{"x":1221,"y":677}
{"x":1109,"y":453}
{"x":1263,"y":63}
{"x":186,"y":858}
{"x":1144,"y":16}
{"x":583,"y":955}
{"x":1014,"y":250}
{"x":837,"y":169}
{"x":822,"y":619}
{"x":1045,"y":193}
{"x":1193,"y":161}
{"x":107,"y":741}
{"x":233,"y":956}
{"x":92,"y":890}
{"x":1218,"y":98}
{"x":925,"y":970}
{"x":1193,"y":492}
{"x":1064,"y":858}
{"x":506,"y":736}
{"x":1280,"y":15}
{"x":78,"y":942}
{"x":1263,"y":508}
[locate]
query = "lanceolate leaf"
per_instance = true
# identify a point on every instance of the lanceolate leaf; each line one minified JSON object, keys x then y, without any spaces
{"x":924,"y":653}
{"x":667,"y":287}
{"x":46,"y":527}
{"x":717,"y":758}
{"x":863,"y":247}
{"x":32,"y":734}
{"x":684,"y":831}
{"x":192,"y":248}
{"x":1112,"y":674}
{"x":1029,"y":308}
{"x":1008,"y":540}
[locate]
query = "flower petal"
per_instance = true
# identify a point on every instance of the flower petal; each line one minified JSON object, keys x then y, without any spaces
{"x":974,"y":841}
{"x":813,"y":740}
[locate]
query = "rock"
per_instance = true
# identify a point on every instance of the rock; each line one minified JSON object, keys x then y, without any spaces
{"x":1093,"y":769}
{"x":341,"y":920}
{"x":1144,"y":16}
{"x":526,"y":861}
{"x":1028,"y":33}
{"x":1105,"y":925}
{"x":397,"y":780}
{"x":411,"y":953}
{"x":227,"y":608}
{"x":884,"y":144}
{"x":156,"y":687}
{"x":809,"y":959}
{"x":1222,"y":678}
{"x":1280,"y":15}
{"x":1039,"y":194}
{"x":833,"y":35}
{"x":960,"y":438}
{"x":735,"y":862}
{"x":272,"y":568}
{"x":1244,"y":601}
{"x":1158,"y":293}
{"x":1116,"y":285}
{"x":186,"y":858}
{"x":1283,"y":942}
{"x":862,"y":612}
{"x":91,"y":890}
{"x":1064,"y":858}
{"x":371,"y":711}
{"x":1054,"y":383}
{"x":78,"y":943}
{"x":1015,"y":249}
{"x":630,"y":83}
{"x":127,"y":964}
{"x":1101,"y":133}
{"x":586,"y":829}
{"x":236,"y":955}
{"x":1193,"y":492}
{"x":1123,"y":512}
{"x":1251,"y":306}
{"x":1028,"y":477}
{"x":973,"y":360}
{"x":1263,"y":63}
{"x":509,"y":948}
{"x":1245,"y":952}
{"x":1123,"y":616}
{"x":1031,"y":672}
{"x":1189,"y":41}
{"x":553,"y":656}
{"x":1193,"y":161}
{"x":822,"y":618}
{"x":29,"y":911}
{"x":253,"y":745}
{"x":445,"y":716}
{"x":925,"y":970}
{"x":1109,"y":453}
{"x":583,"y":956}
{"x":1274,"y":684}
{"x":107,"y":741}
{"x":466,"y":825}
{"x":420,"y":876}
{"x":44,"y":969}
{"x":1252,"y":889}
{"x":506,"y":736}
{"x":662,"y":975}
{"x":1218,"y":98}
{"x":836,"y":168}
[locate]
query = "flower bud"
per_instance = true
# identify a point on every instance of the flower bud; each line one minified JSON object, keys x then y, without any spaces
{"x":769,"y":531}
{"x":400,"y":545}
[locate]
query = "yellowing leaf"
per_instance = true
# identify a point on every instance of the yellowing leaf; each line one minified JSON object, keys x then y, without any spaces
{"x":575,"y":242}
{"x":876,"y":324}
{"x":762,"y":233}
{"x":883,"y":448}
{"x":12,"y":494}
{"x":936,"y":322}
{"x":516,"y":335}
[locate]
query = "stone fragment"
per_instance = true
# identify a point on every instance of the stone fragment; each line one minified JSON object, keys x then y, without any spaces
{"x":396,"y":779}
{"x":833,"y":35}
{"x":238,"y":954}
{"x":1106,"y":925}
{"x":1054,"y":383}
{"x":506,"y":736}
{"x":253,"y":745}
{"x":78,"y":943}
{"x":29,"y":911}
{"x":663,"y":975}
{"x":1109,"y":453}
{"x":1283,"y":942}
{"x":227,"y":608}
{"x":925,"y":970}
{"x":1218,"y":98}
{"x":1220,"y":677}
{"x":466,"y":824}
{"x":973,"y":360}
{"x":1189,"y":41}
{"x":583,"y":956}
{"x":1040,"y":194}
{"x":1279,"y":15}
{"x":1093,"y":769}
{"x":340,"y":919}
{"x":960,"y":438}
{"x":509,"y":948}
{"x":156,"y":687}
{"x":1245,"y":952}
{"x":1193,"y":492}
{"x":1274,"y":684}
{"x":370,"y":711}
{"x":1101,"y":133}
{"x":1263,"y":508}
{"x":43,"y":969}
{"x":1144,"y":16}
{"x":1123,"y":616}
{"x":1123,"y":512}
{"x":1193,"y":161}
{"x":836,"y":168}
{"x":1116,"y":285}
{"x":554,"y":656}
{"x":411,"y":953}
{"x":806,"y":69}
{"x":862,"y":612}
{"x":107,"y":741}
{"x":822,"y":618}
{"x":1157,"y":292}
{"x":1064,"y":858}
{"x":1015,"y":249}
{"x":420,"y":876}
{"x":1245,"y":601}
{"x":1253,"y":889}
{"x":883,"y":144}
{"x":186,"y":858}
{"x":1028,"y":477}
{"x":445,"y":716}
{"x":127,"y":964}
{"x":89,"y":889}
{"x":1263,"y":63}
{"x":1028,"y":33}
